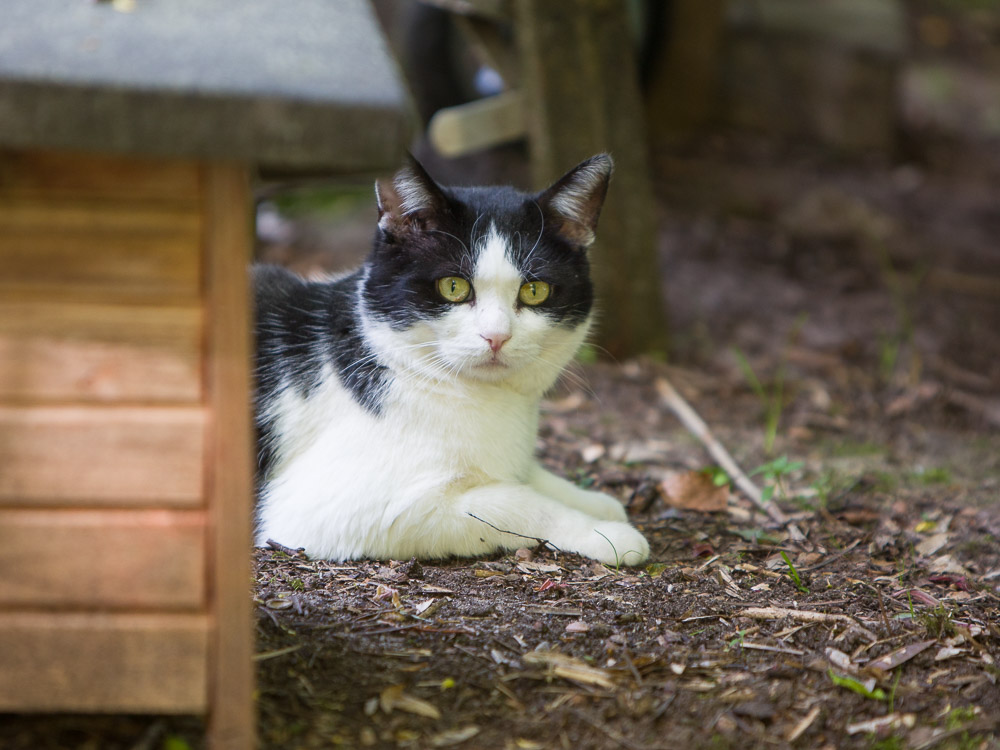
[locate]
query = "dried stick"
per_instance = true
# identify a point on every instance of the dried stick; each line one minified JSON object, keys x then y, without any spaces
{"x":696,"y":425}
{"x":541,"y":542}
{"x":804,"y":615}
{"x":278,"y":547}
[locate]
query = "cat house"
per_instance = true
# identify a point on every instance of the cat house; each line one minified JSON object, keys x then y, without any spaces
{"x":129,"y":134}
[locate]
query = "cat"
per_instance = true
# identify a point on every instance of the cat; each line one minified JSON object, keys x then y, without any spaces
{"x":397,"y":406}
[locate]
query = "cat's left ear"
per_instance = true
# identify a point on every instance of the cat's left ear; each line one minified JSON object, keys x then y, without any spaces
{"x":574,"y":202}
{"x":410,"y":202}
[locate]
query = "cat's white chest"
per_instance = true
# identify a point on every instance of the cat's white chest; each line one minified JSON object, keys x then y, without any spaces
{"x":484,"y":433}
{"x":345,"y":473}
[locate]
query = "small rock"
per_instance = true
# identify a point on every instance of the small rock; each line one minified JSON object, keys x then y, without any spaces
{"x":627,"y":617}
{"x":412,"y":569}
{"x":754,"y":709}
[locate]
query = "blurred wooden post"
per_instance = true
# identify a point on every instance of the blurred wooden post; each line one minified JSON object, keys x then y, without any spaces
{"x":685,"y":94}
{"x":581,"y":97}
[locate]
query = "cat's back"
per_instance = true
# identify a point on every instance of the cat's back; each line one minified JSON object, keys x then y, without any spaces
{"x":280,"y":295}
{"x":308,"y":337}
{"x":296,"y":312}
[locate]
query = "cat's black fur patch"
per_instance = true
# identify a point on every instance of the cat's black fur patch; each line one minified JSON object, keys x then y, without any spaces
{"x":300,"y":327}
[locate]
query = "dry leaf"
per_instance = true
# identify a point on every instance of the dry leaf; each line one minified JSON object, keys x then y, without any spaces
{"x":947,"y":564}
{"x":947,"y":652}
{"x":429,"y":589}
{"x":577,"y":626}
{"x":534,"y":567}
{"x":383,"y":592}
{"x":841,"y":660}
{"x":640,"y":451}
{"x":429,"y":607}
{"x":393,"y":698}
{"x":883,"y":723}
{"x":693,"y":490}
{"x":894,"y":658}
{"x":569,"y":668}
{"x":932,"y":544}
{"x":454,"y":736}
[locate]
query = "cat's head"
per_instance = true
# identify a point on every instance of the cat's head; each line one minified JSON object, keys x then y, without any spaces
{"x":483,"y":283}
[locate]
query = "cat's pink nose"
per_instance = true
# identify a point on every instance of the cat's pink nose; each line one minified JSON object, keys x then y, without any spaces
{"x":496,"y":340}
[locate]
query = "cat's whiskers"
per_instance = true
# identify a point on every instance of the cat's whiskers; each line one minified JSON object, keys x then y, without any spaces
{"x":572,"y":374}
{"x":472,"y":232}
{"x":349,"y":369}
{"x":524,"y":263}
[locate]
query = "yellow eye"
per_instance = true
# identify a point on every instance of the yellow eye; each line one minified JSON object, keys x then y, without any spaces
{"x":454,"y":288}
{"x":534,"y":292}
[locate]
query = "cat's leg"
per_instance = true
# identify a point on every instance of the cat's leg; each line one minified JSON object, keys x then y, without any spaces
{"x":508,"y":516}
{"x":595,"y":504}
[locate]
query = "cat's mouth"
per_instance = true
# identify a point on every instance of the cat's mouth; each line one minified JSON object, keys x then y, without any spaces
{"x":492,"y":363}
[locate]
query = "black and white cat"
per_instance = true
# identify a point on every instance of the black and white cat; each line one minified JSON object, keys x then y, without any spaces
{"x":397,"y":406}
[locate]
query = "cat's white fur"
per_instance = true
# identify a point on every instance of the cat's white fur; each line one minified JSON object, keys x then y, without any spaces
{"x":448,"y":466}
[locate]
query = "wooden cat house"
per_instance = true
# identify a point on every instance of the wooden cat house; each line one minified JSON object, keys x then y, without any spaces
{"x":128,"y":136}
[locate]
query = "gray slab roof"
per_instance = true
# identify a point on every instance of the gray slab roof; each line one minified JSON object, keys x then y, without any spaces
{"x":285,"y":83}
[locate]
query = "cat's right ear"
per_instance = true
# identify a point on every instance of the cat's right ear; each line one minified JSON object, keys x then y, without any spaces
{"x":573,"y":204}
{"x":411,"y":202}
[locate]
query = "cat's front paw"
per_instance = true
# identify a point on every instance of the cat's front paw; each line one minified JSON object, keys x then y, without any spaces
{"x":602,"y":507}
{"x":615,"y":543}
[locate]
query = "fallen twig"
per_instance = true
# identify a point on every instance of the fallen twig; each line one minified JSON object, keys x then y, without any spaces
{"x":541,"y":542}
{"x":775,"y":649}
{"x":265,"y":655}
{"x":803,"y":725}
{"x":696,"y":425}
{"x":802,"y":615}
{"x":278,"y":547}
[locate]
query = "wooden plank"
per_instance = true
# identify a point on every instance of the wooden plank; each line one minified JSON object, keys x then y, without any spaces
{"x":227,"y":249}
{"x":95,"y":352}
{"x":101,"y":662}
{"x":101,"y":455}
{"x":89,"y":214}
{"x":102,"y":264}
{"x":103,"y":559}
{"x":483,"y":123}
{"x":125,"y":178}
{"x":75,"y":226}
